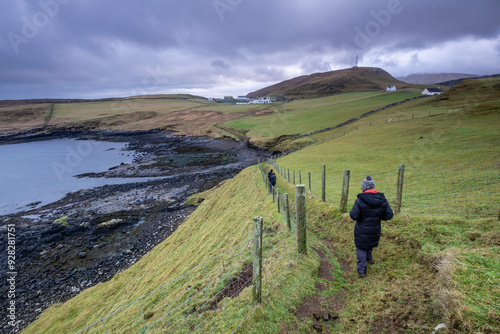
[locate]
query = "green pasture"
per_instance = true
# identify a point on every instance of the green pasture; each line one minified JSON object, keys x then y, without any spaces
{"x":304,"y":116}
{"x":445,"y":164}
{"x":450,"y":150}
{"x":231,"y":108}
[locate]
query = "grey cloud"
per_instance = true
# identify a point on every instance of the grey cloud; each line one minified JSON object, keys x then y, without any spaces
{"x":107,"y":46}
{"x":219,"y":63}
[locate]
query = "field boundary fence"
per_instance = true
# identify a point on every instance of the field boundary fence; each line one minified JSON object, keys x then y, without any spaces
{"x":218,"y":295}
{"x":467,"y":188}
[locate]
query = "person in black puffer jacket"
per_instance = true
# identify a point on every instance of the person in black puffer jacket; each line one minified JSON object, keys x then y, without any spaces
{"x":272,"y":180}
{"x":369,"y":209}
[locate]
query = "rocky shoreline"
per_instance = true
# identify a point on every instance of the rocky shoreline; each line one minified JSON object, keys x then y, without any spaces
{"x":109,"y":228}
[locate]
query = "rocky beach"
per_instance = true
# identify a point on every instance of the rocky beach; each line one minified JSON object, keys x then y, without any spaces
{"x":90,"y":235}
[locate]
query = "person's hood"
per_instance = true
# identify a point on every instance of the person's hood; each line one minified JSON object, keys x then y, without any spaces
{"x":372,"y":199}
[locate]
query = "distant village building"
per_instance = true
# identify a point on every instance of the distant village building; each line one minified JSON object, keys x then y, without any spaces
{"x":245,"y":100}
{"x":226,"y":99}
{"x":261,"y":100}
{"x":432,"y":91}
{"x":390,"y":89}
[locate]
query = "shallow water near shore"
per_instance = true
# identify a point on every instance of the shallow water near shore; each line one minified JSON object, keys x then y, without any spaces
{"x":40,"y":172}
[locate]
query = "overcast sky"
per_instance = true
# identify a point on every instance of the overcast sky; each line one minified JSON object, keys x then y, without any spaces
{"x":109,"y":48}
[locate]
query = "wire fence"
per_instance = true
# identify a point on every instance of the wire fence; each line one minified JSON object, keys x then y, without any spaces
{"x":215,"y":296}
{"x":462,"y":188}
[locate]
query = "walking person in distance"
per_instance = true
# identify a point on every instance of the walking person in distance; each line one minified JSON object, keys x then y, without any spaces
{"x":370,"y":208}
{"x":272,"y":180}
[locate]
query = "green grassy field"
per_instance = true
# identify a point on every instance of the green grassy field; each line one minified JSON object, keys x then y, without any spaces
{"x":437,"y":261}
{"x":304,"y":116}
{"x":451,"y":158}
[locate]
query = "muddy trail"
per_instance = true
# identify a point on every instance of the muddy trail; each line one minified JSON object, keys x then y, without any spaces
{"x":109,"y":228}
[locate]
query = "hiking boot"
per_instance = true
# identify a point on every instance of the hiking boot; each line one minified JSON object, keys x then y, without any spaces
{"x":362,"y":275}
{"x":371,"y":261}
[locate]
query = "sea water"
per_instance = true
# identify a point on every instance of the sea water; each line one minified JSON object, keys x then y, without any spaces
{"x":37,"y":173}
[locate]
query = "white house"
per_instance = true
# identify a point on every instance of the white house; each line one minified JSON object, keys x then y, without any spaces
{"x":261,"y":100}
{"x":390,"y":89}
{"x":432,"y":91}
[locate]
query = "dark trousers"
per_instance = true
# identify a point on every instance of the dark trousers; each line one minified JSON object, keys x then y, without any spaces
{"x":363,"y":255}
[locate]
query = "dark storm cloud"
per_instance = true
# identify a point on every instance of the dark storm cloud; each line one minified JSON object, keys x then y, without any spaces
{"x":90,"y":48}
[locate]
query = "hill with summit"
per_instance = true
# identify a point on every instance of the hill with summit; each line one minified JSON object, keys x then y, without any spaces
{"x":334,"y":82}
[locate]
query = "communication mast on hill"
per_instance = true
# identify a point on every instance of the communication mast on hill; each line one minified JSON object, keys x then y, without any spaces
{"x":356,"y":62}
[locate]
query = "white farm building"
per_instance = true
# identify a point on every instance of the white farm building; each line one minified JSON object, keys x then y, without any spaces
{"x":261,"y":100}
{"x":432,"y":91}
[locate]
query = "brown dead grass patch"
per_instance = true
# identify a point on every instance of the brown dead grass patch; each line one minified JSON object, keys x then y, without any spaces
{"x":22,"y":117}
{"x":186,"y":122}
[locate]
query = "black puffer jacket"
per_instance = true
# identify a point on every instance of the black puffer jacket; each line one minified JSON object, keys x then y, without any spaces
{"x":368,"y":210}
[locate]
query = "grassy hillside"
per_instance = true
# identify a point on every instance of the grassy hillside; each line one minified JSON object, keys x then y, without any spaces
{"x":450,"y":145}
{"x":456,"y":150}
{"x":304,"y":116}
{"x":333,"y":82}
{"x":222,"y":223}
{"x":428,"y":270}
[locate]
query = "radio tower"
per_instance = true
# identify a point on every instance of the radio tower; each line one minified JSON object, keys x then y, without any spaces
{"x":356,"y":62}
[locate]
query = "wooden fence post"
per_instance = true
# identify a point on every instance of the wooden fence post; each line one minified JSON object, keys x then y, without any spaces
{"x":288,"y":172}
{"x":309,"y":182}
{"x":399,"y":192}
{"x":300,"y":177}
{"x":287,"y":212}
{"x":345,"y":191}
{"x":257,"y":259}
{"x":323,"y":184}
{"x":278,"y":198}
{"x":300,"y":200}
{"x":294,"y":176}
